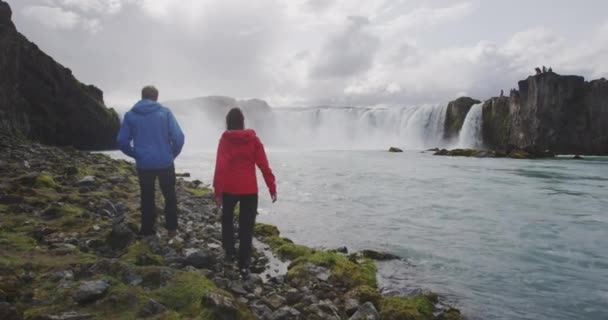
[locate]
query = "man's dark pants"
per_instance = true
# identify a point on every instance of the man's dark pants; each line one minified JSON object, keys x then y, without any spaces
{"x":147,"y":181}
{"x":248,"y":210}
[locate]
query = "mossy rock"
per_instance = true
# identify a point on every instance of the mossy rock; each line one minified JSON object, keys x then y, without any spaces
{"x":452,"y":314}
{"x":199,"y":192}
{"x":365,"y":294}
{"x":292,"y":251}
{"x":519,"y":154}
{"x":406,"y":308}
{"x":262,"y":230}
{"x":344,"y":271}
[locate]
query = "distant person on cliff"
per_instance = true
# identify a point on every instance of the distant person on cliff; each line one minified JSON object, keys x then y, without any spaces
{"x":151,"y":135}
{"x":235,"y":181}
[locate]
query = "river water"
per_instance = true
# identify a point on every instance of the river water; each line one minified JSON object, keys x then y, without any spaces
{"x":499,"y":238}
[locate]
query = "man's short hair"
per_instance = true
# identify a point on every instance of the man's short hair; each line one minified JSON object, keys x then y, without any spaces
{"x":149,"y":93}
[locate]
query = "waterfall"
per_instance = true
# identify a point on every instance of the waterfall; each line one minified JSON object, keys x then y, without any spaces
{"x":470,"y":134}
{"x":410,"y":127}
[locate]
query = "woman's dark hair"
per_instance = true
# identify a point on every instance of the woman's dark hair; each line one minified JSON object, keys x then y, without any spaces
{"x":235,"y":120}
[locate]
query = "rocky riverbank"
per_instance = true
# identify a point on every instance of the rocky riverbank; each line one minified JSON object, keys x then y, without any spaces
{"x":514,"y":153}
{"x":70,"y":250}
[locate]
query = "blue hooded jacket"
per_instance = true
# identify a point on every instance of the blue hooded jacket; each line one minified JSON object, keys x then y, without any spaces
{"x":156,"y":135}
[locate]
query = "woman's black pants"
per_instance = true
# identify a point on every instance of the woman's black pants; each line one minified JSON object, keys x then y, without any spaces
{"x":248,"y":210}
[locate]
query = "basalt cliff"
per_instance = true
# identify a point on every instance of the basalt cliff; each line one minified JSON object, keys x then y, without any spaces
{"x":43,"y":101}
{"x":562,"y":114}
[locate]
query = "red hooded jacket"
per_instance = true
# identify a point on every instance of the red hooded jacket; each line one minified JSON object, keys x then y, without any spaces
{"x":238,"y":152}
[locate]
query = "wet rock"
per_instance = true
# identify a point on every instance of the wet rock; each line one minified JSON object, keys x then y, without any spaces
{"x":342,"y":250}
{"x":380,"y":256}
{"x":90,"y":291}
{"x":293,"y":296}
{"x":151,"y":308}
{"x":286,"y":313}
{"x":351,"y":306}
{"x":577,"y":157}
{"x":53,"y":212}
{"x":201,"y":259}
{"x":131,"y":277}
{"x":318,"y":311}
{"x":9,"y":312}
{"x":120,"y":237}
{"x":451,"y":314}
{"x":238,"y":289}
{"x":222,"y":307}
{"x":394,"y":149}
{"x":366,"y":312}
{"x":442,"y":152}
{"x":275,"y":301}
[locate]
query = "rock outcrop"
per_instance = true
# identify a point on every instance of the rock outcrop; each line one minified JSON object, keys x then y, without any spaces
{"x":455,"y":114}
{"x":41,"y":100}
{"x":564,"y":114}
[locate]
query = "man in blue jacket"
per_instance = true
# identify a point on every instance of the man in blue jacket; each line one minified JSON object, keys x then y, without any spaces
{"x":151,"y":135}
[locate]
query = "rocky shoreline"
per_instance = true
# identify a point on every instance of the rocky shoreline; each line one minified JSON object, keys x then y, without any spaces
{"x":68,"y":223}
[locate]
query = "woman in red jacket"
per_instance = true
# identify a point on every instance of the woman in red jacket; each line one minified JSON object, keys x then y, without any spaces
{"x":235,"y":181}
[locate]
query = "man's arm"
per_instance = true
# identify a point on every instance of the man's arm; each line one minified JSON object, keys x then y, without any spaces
{"x":176,"y":136}
{"x":125,"y":137}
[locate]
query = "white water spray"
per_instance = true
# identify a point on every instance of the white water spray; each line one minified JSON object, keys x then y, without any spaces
{"x":412,"y":127}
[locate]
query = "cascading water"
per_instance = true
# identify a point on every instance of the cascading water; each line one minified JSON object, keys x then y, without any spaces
{"x":470,"y":134}
{"x":412,"y":127}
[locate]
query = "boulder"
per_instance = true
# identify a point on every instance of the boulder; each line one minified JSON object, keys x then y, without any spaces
{"x":455,"y":114}
{"x":222,"y":307}
{"x":367,"y":311}
{"x":120,"y":237}
{"x":151,"y":308}
{"x":201,"y":259}
{"x":286,"y":313}
{"x":90,"y":291}
{"x":394,"y":149}
{"x":7,"y":310}
{"x":380,"y":256}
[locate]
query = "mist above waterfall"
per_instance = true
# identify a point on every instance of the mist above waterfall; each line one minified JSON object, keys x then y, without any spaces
{"x":410,"y":127}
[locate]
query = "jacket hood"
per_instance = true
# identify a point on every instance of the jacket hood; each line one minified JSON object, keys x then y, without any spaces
{"x":146,"y":106}
{"x":240,"y":136}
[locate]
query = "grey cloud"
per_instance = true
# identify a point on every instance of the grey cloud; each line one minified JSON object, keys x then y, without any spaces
{"x":348,"y":53}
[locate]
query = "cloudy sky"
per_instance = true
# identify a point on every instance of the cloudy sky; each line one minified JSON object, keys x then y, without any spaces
{"x":311,"y":52}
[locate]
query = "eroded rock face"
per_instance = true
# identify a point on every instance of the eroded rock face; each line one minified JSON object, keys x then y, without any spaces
{"x":42,"y":100}
{"x":455,"y":114}
{"x":564,"y":114}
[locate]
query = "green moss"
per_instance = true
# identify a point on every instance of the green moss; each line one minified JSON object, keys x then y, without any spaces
{"x":365,"y":294}
{"x":411,"y":308}
{"x":183,"y":293}
{"x":17,"y":241}
{"x":343,"y":270}
{"x":292,"y":251}
{"x":140,"y":253}
{"x":199,"y":192}
{"x":262,"y":230}
{"x":45,"y":181}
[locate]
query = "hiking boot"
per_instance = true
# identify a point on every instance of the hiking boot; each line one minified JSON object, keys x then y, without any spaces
{"x":171,"y":234}
{"x":245,"y":273}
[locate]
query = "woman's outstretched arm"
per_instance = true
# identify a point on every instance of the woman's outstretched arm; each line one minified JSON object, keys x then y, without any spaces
{"x":262,"y":162}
